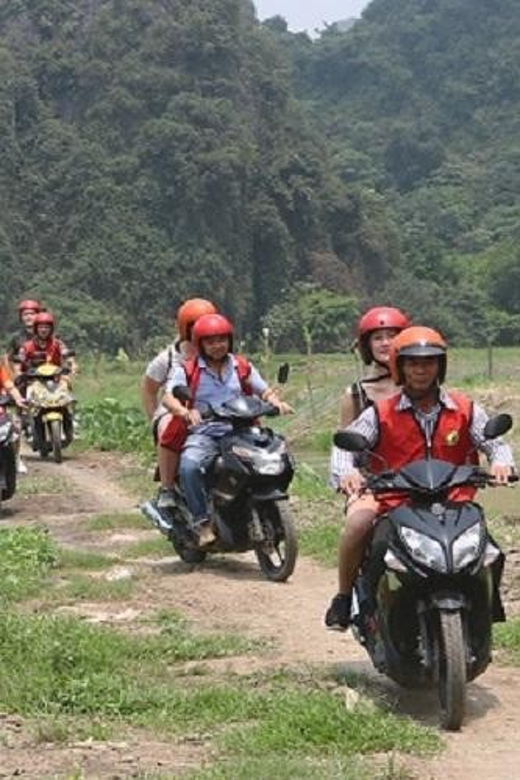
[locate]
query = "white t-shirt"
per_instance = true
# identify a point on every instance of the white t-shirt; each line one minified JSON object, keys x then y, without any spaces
{"x":162,"y":367}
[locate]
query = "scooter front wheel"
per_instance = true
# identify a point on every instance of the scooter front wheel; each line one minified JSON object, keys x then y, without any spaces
{"x":451,"y":660}
{"x":55,"y":434}
{"x":189,"y":554}
{"x":278,"y":553}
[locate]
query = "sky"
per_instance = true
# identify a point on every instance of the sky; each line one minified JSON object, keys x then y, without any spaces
{"x":309,"y":14}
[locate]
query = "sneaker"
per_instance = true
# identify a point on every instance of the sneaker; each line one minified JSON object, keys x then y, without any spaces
{"x":337,"y":617}
{"x":21,"y":468}
{"x":206,"y":533}
{"x":166,"y":499}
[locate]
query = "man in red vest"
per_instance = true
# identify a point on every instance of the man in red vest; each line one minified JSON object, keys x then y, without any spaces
{"x":423,"y":420}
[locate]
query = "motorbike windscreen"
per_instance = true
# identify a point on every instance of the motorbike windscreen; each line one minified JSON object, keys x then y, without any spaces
{"x":243,"y":407}
{"x":427,"y":474}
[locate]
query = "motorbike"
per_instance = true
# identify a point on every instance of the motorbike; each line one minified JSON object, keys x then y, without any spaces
{"x":428,"y":590}
{"x":50,"y":409}
{"x":247,"y":488}
{"x":7,"y":451}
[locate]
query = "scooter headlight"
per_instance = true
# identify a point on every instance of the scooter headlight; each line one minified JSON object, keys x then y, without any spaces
{"x":424,"y":549}
{"x":466,"y":547}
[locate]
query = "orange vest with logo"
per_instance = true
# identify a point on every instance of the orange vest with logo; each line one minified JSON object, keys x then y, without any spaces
{"x":402,"y":440}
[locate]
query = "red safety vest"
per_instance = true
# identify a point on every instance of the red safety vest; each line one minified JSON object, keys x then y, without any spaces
{"x":34,"y":355}
{"x":401,"y":440}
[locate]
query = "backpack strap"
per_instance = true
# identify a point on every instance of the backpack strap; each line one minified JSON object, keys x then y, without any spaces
{"x":360,"y":399}
{"x":243,"y":369}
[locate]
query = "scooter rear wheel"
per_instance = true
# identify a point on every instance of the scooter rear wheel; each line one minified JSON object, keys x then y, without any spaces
{"x":277,"y":556}
{"x":451,"y":670}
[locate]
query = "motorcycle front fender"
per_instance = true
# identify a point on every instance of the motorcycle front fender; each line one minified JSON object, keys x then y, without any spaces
{"x":449,"y":602}
{"x":272,"y":495}
{"x":50,"y":416}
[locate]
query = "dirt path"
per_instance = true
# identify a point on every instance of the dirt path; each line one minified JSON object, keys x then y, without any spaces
{"x":229,"y":593}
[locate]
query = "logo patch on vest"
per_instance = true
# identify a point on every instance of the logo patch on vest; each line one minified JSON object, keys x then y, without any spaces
{"x":452,"y":438}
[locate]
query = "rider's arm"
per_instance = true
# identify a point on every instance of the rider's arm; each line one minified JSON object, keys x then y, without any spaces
{"x":498,"y":453}
{"x":343,"y":463}
{"x":260,"y":388}
{"x":149,"y":390}
{"x":347,"y":409}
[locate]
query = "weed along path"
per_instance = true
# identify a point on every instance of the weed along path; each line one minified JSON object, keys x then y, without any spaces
{"x":117,"y":572}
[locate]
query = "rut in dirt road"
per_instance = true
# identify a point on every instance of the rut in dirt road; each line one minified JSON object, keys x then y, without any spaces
{"x":229,"y":593}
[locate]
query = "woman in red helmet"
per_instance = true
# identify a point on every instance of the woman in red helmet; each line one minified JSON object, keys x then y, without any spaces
{"x":157,"y":374}
{"x":214,"y":375}
{"x":376,"y":330}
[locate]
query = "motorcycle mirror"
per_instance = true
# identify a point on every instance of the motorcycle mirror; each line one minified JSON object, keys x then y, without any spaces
{"x":283,"y":374}
{"x":497,"y":426}
{"x":353,"y":442}
{"x":182,"y":393}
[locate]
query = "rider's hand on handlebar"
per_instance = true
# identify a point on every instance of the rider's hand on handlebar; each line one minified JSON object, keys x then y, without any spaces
{"x":283,"y":407}
{"x":352,"y":483}
{"x":500,"y":473}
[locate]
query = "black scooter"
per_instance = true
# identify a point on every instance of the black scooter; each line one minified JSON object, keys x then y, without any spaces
{"x":247,"y":489}
{"x":7,"y":451}
{"x":428,"y":591}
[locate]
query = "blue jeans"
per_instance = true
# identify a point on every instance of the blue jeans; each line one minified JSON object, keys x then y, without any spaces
{"x":197,"y":456}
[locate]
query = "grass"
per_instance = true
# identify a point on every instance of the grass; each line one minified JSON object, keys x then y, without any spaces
{"x":507,"y":638}
{"x":71,"y":558}
{"x":305,"y":768}
{"x":158,"y":546}
{"x":35,"y":485}
{"x":113,"y":522}
{"x":82,"y":588}
{"x":26,"y":556}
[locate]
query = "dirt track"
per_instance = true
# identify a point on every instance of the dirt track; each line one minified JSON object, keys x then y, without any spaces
{"x":229,"y":593}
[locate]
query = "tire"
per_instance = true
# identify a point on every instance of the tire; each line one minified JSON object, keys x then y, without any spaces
{"x":55,"y":434}
{"x":451,"y":670}
{"x":11,"y":476}
{"x":278,"y":562}
{"x":189,"y":554}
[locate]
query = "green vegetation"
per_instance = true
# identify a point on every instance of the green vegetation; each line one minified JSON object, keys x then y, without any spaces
{"x":42,"y":486}
{"x":72,"y":558}
{"x":507,"y":638}
{"x":117,"y":521}
{"x":26,"y":555}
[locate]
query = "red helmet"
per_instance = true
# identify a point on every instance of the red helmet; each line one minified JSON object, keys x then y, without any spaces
{"x":417,"y":341}
{"x":29,"y":305}
{"x":211,"y":325}
{"x":375,"y":319}
{"x":44,"y":318}
{"x":189,"y":313}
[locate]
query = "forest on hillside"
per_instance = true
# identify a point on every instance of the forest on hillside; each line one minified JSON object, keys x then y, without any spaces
{"x":156,"y":149}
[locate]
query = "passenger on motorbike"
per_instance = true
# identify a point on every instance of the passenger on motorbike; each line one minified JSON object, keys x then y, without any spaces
{"x":422,"y":419}
{"x":157,"y":374}
{"x":27,"y":311}
{"x":215,"y":375}
{"x":375,"y":331}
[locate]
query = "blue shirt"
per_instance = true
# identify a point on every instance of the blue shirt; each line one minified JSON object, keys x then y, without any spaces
{"x":216,"y":389}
